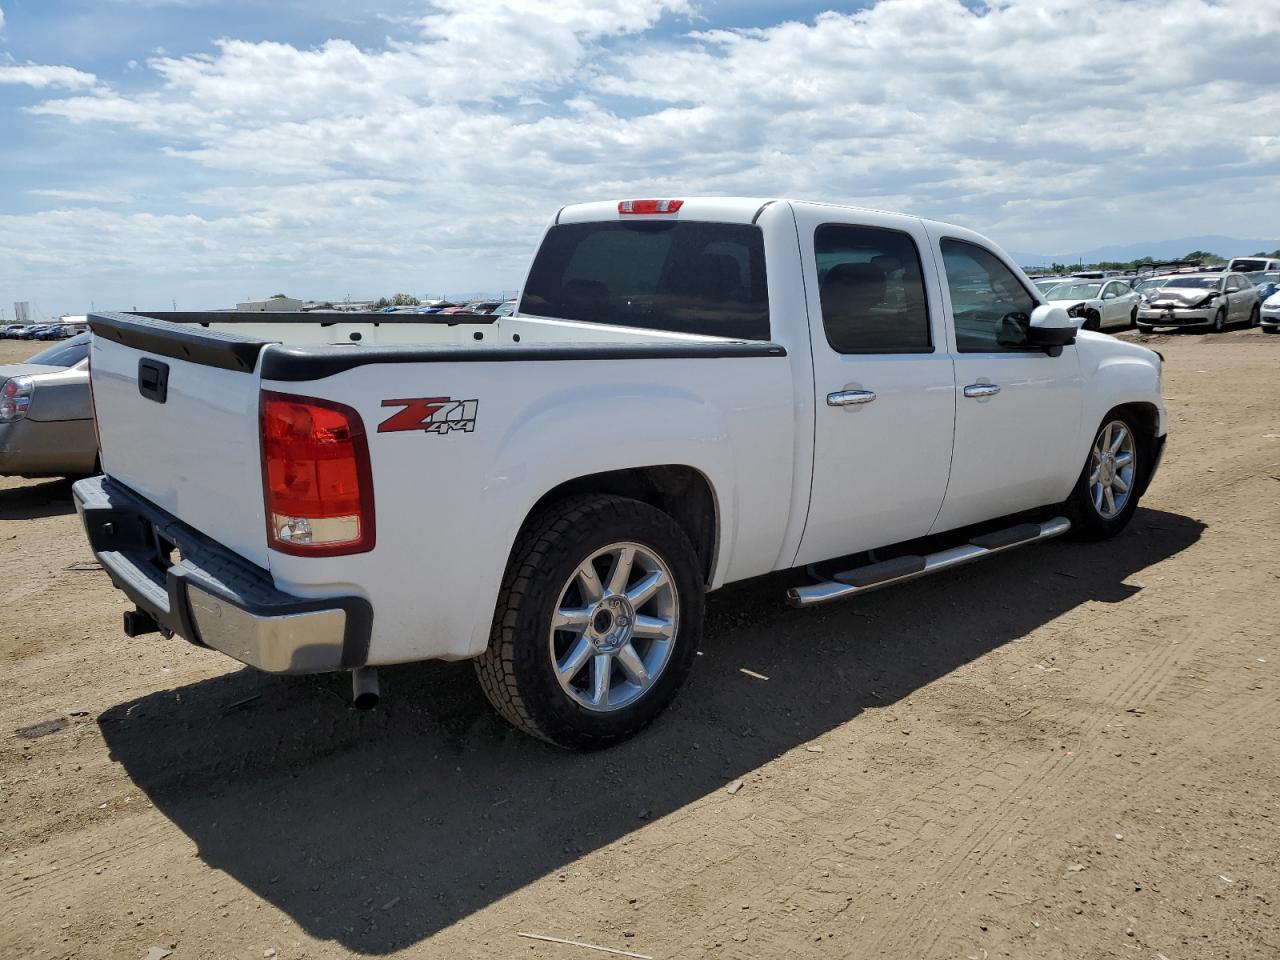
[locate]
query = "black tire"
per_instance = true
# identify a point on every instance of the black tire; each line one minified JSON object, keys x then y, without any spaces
{"x":1255,"y":316}
{"x":1087,"y":523}
{"x":1145,"y":328}
{"x":1220,"y":320}
{"x":517,"y":672}
{"x":1133,"y":317}
{"x":1092,"y":320}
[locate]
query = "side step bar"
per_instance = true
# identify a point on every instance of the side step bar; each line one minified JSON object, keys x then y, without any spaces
{"x":900,"y":569}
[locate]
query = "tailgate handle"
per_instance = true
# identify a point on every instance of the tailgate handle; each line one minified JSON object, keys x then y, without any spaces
{"x":153,"y":380}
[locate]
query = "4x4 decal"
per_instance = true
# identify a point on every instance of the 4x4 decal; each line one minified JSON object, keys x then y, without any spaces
{"x":431,"y":414}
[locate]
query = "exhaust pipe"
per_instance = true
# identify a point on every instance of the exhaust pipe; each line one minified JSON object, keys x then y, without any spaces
{"x":364,"y":688}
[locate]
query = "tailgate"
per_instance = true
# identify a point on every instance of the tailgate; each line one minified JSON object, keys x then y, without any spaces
{"x":180,"y":433}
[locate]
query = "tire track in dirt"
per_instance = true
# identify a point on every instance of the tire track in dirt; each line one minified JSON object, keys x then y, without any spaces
{"x":1141,"y":681}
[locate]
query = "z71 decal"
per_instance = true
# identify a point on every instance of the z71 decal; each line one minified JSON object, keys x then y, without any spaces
{"x":431,"y":414}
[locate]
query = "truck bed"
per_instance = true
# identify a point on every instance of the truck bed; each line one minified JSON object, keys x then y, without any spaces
{"x":448,"y":500}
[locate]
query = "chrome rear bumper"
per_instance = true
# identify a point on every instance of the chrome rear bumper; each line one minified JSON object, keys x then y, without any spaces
{"x":196,"y":588}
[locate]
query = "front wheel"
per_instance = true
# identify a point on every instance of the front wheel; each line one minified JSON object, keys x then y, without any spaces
{"x":1145,"y":327}
{"x":597,"y":624}
{"x":1106,"y":493}
{"x":1219,"y":319}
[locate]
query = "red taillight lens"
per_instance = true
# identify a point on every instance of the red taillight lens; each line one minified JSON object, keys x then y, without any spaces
{"x":650,"y":206}
{"x":316,"y":479}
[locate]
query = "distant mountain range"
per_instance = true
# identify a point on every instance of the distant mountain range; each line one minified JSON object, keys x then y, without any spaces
{"x":1227,"y":247}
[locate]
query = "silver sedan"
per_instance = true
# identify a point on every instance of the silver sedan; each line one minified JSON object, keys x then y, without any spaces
{"x":46,"y":416}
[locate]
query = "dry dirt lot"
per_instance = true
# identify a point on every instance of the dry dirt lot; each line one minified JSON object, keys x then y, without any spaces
{"x":1070,"y":751}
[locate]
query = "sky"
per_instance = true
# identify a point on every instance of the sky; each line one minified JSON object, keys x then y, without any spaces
{"x":200,"y":152}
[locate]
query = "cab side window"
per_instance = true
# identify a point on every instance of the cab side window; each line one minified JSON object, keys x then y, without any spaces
{"x":871,"y":288}
{"x":1111,"y":291}
{"x":992,"y":308}
{"x":1234,"y":284}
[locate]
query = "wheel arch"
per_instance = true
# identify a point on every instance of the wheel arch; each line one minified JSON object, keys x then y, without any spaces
{"x":682,"y":492}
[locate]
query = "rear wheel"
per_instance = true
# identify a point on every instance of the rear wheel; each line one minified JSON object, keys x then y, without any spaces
{"x":1133,"y":316}
{"x":1254,"y":316}
{"x":597,"y":624}
{"x":1106,"y":493}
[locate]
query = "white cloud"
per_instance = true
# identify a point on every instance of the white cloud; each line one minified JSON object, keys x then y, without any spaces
{"x":42,"y":75}
{"x":1055,"y":125}
{"x":1,"y":19}
{"x":82,"y":196}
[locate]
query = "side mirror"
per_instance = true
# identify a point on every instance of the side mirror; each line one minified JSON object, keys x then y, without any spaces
{"x":1052,"y":327}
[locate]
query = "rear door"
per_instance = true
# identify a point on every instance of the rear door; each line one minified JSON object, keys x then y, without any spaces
{"x":184,"y":435}
{"x":883,"y":382}
{"x":1016,"y":406}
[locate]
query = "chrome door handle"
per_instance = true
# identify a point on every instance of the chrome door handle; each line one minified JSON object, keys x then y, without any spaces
{"x":981,"y":390}
{"x":845,"y":398}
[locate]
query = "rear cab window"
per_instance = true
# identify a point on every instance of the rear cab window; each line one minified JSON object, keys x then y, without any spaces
{"x":678,"y":276}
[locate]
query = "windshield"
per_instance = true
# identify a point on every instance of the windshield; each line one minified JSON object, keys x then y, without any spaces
{"x":1151,"y":284}
{"x":1262,"y":276}
{"x":1049,"y":284}
{"x":66,"y":354}
{"x":1196,"y":283}
{"x":681,"y":276}
{"x":1075,"y":291}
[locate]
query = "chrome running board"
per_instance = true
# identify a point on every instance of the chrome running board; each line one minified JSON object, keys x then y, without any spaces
{"x":900,"y":569}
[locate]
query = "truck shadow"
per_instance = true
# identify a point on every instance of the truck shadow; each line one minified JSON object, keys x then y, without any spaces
{"x":377,"y":830}
{"x":51,"y":498}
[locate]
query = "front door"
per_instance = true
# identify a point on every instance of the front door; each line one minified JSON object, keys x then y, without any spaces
{"x":884,"y":389}
{"x":1118,"y":302}
{"x":1017,"y":407}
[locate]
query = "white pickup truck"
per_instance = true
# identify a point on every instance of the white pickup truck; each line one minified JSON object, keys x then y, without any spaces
{"x":690,"y":393}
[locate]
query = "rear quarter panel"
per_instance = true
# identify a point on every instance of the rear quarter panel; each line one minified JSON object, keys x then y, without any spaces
{"x":449,"y":505}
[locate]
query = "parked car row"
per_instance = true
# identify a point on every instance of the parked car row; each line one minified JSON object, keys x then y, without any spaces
{"x":473,"y":308}
{"x":1208,"y":298}
{"x":39,"y":331}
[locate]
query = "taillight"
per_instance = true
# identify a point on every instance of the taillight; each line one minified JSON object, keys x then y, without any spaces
{"x":317,"y":484}
{"x":650,"y":206}
{"x":15,"y":398}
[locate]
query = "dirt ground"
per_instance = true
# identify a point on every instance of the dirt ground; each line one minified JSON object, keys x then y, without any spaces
{"x":1067,"y":752}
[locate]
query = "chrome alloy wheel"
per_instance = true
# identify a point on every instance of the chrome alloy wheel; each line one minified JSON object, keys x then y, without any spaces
{"x":614,"y":627}
{"x":1112,"y":469}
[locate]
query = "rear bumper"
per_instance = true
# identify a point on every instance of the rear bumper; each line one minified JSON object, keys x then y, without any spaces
{"x":47,"y":448}
{"x":213,"y":597}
